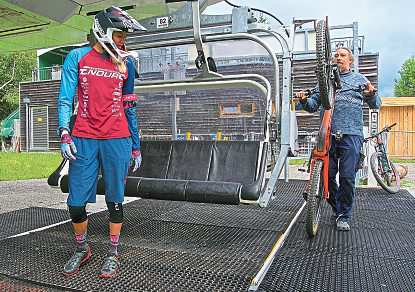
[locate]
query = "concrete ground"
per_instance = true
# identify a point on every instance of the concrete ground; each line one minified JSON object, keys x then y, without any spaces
{"x":16,"y":195}
{"x":22,"y":194}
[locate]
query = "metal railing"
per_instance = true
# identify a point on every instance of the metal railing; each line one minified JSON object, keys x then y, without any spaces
{"x":47,"y":73}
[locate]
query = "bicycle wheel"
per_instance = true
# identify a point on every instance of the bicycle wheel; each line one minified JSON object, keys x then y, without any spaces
{"x":314,"y":199}
{"x":389,"y":180}
{"x":323,"y":55}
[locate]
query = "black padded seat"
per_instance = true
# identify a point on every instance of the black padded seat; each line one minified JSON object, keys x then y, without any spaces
{"x":213,"y":192}
{"x":190,"y":161}
{"x":156,"y":157}
{"x":234,"y":162}
{"x":197,"y":171}
{"x":162,"y":189}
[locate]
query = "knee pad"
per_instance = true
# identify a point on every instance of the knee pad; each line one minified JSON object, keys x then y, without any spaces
{"x":78,"y":214}
{"x":116,"y":212}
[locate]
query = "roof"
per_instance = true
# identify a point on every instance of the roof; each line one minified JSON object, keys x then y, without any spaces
{"x":29,"y":25}
{"x":398,"y":101}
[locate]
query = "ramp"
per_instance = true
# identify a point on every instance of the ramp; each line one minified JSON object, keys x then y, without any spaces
{"x":378,"y":253}
{"x":166,"y":246}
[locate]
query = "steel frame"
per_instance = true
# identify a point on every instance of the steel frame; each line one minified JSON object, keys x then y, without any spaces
{"x":208,"y":79}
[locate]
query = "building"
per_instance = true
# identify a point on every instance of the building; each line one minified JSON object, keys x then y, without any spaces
{"x":221,"y":112}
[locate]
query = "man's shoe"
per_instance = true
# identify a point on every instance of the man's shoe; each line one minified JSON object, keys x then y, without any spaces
{"x":76,"y":261}
{"x":110,"y":267}
{"x":343,"y":225}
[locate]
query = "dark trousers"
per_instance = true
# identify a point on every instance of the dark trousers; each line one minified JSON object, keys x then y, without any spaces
{"x":344,"y":159}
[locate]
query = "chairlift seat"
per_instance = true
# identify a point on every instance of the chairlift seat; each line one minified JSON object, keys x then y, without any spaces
{"x":224,"y":172}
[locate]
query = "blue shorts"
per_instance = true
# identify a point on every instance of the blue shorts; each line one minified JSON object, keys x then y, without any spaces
{"x":112,"y":156}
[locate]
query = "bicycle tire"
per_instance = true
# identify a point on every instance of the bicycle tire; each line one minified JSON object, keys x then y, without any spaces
{"x":314,"y":199}
{"x":323,"y":56}
{"x":380,"y":177}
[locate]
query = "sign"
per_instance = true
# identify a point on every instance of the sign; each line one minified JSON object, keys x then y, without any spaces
{"x":26,"y":99}
{"x":163,"y":22}
{"x":374,"y":120}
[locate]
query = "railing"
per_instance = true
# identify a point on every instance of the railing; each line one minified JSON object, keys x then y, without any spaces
{"x":47,"y":73}
{"x":160,"y":63}
{"x":306,"y":143}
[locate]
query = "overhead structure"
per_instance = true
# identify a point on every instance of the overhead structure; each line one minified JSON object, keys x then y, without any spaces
{"x":29,"y":25}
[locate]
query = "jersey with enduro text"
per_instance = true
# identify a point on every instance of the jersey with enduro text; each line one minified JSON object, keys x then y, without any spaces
{"x":99,"y":88}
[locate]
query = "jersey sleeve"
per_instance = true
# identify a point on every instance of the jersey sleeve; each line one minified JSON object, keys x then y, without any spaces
{"x":130,"y":101}
{"x":69,"y":83}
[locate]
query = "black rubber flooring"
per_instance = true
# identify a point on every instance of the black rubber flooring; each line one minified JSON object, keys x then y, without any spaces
{"x":9,"y":284}
{"x":175,"y":246}
{"x":165,"y":246}
{"x":378,"y":254}
{"x":23,"y":220}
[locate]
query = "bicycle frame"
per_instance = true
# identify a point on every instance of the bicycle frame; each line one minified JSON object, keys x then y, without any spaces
{"x":383,"y":169}
{"x":384,"y":165}
{"x":380,"y":147}
{"x":321,"y":151}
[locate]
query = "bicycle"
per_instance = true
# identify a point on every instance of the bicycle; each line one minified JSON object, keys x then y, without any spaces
{"x":328,"y":77}
{"x":383,"y":169}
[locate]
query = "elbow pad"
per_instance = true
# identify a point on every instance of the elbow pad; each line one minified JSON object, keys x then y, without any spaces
{"x":129,"y":100}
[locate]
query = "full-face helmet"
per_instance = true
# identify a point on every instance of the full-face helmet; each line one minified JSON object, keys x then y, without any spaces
{"x":109,"y":21}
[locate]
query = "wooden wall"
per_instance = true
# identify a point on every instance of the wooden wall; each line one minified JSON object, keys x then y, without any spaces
{"x":198,"y":110}
{"x":401,"y":140}
{"x":41,"y":93}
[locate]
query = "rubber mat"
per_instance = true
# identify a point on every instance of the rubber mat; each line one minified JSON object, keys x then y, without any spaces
{"x":8,"y":284}
{"x":378,"y":254}
{"x":165,"y":246}
{"x":23,"y":220}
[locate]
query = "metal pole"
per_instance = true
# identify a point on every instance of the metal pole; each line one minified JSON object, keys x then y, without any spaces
{"x":27,"y":127}
{"x":355,"y":48}
{"x":173,"y":100}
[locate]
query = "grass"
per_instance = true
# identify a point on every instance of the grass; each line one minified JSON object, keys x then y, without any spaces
{"x":398,"y":160}
{"x":407,"y":183}
{"x":18,"y":166}
{"x":297,"y":161}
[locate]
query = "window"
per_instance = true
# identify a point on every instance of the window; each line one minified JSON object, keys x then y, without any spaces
{"x":237,"y":109}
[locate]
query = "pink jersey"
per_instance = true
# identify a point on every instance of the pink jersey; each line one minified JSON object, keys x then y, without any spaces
{"x":100,"y":106}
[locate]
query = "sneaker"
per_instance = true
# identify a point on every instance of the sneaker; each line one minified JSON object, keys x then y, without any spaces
{"x":78,"y":259}
{"x":343,"y":225}
{"x":110,"y":267}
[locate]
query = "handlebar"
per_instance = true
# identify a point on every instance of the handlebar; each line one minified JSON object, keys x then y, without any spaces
{"x":385,"y":129}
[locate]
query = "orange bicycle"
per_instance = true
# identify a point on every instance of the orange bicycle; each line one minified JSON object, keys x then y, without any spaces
{"x":328,"y":77}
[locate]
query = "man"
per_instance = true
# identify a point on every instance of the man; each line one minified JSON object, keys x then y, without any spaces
{"x":105,"y":132}
{"x":347,"y":123}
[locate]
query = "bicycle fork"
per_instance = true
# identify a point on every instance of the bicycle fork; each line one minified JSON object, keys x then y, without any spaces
{"x":321,"y":152}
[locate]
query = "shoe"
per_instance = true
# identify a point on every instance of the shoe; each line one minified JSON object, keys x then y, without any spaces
{"x":78,"y":259}
{"x":343,"y":225}
{"x":110,"y":267}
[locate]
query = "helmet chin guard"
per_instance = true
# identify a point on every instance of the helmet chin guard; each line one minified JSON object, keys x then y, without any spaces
{"x":109,"y":21}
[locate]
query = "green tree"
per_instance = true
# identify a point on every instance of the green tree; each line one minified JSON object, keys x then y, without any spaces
{"x":405,"y":85}
{"x":14,"y":68}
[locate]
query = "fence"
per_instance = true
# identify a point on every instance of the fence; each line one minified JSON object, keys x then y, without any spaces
{"x":401,"y":144}
{"x":47,"y":73}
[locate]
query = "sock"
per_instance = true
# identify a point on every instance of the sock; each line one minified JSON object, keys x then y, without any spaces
{"x":81,"y":244}
{"x":114,"y":238}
